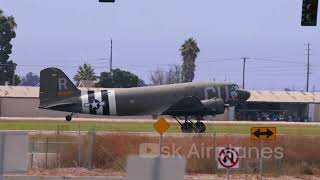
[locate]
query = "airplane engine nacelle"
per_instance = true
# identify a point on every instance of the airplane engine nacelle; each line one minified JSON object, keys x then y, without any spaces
{"x":215,"y":105}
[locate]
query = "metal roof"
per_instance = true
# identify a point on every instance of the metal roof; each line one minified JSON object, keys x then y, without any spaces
{"x":285,"y":97}
{"x":86,"y":84}
{"x":19,"y":91}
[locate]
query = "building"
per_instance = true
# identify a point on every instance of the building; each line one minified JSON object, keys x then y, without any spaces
{"x":87,"y":84}
{"x":23,"y":101}
{"x":280,"y":105}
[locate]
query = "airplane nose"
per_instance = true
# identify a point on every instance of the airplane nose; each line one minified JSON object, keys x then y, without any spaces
{"x":243,"y":95}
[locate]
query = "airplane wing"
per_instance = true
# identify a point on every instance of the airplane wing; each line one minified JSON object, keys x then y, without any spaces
{"x":187,"y":106}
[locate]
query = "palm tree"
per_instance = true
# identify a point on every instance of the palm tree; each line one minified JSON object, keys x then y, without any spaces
{"x":189,"y":51}
{"x":85,"y":72}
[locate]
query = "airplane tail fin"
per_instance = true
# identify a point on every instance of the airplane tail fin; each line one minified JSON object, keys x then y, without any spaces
{"x":54,"y":86}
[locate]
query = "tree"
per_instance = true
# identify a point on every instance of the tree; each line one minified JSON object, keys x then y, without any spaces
{"x":157,"y":77}
{"x":141,"y":83}
{"x":7,"y":33}
{"x":30,"y":79}
{"x":85,"y":72}
{"x":189,"y":52}
{"x":172,"y":76}
{"x":118,"y":79}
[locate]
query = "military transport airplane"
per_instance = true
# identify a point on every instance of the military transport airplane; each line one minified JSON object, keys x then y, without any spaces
{"x":186,"y":100}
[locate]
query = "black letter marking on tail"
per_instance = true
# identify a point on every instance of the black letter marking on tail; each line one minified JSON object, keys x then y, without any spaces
{"x":62,"y":84}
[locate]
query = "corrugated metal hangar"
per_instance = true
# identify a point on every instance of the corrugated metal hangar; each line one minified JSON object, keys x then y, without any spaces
{"x":22,"y":101}
{"x":280,"y":106}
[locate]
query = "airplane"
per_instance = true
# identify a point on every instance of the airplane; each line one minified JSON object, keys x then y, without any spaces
{"x":181,"y":101}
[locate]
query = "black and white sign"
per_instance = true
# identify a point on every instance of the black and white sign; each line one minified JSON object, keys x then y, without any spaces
{"x":228,"y":157}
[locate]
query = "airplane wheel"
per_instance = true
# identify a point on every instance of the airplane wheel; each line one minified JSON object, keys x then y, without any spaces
{"x":68,"y":118}
{"x":200,"y":127}
{"x":186,"y":127}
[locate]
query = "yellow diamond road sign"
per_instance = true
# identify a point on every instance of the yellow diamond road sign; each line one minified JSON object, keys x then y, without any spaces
{"x":161,"y":125}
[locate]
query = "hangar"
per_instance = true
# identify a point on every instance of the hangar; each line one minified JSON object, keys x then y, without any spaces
{"x":22,"y":101}
{"x":280,"y":106}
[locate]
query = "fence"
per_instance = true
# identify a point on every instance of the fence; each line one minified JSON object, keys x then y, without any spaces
{"x":61,"y":149}
{"x":109,"y":151}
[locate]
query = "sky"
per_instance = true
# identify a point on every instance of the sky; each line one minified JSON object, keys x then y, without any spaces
{"x":147,"y":35}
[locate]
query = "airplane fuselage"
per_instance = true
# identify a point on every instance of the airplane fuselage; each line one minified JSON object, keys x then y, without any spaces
{"x":194,"y":99}
{"x":150,"y":100}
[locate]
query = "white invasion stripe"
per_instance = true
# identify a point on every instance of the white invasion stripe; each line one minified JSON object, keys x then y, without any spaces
{"x":98,"y":97}
{"x":85,"y":102}
{"x":112,"y":102}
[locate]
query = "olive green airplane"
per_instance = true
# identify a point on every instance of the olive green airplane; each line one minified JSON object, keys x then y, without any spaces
{"x":182,"y":101}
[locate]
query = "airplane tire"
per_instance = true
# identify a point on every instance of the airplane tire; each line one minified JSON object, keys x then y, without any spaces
{"x":68,"y":118}
{"x":186,"y":127}
{"x":200,"y":127}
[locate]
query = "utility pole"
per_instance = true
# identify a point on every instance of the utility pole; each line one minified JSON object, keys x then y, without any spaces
{"x":308,"y":75}
{"x":244,"y":71}
{"x":308,"y":66}
{"x":111,"y":57}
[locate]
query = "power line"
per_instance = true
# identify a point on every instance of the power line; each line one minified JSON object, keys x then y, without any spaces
{"x":278,"y":61}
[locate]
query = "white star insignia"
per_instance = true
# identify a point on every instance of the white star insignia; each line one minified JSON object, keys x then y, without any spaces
{"x":94,"y":105}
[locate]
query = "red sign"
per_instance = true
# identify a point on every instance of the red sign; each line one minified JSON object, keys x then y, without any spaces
{"x":228,"y":157}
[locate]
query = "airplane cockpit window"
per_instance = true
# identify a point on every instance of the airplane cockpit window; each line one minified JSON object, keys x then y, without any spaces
{"x":210,"y":93}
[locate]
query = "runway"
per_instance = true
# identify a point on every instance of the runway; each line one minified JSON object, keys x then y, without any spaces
{"x":150,"y":120}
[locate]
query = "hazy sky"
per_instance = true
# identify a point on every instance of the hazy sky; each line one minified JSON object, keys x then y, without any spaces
{"x":147,"y":35}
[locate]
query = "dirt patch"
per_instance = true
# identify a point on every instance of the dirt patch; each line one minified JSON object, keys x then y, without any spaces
{"x":103,"y":172}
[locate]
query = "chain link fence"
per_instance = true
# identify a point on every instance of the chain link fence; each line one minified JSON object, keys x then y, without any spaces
{"x":287,"y":155}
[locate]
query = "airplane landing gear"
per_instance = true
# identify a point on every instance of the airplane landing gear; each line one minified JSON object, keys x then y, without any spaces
{"x":188,"y":126}
{"x":200,"y":127}
{"x":69,"y":117}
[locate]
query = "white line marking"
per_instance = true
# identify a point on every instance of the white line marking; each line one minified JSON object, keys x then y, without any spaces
{"x":84,"y":102}
{"x":112,"y":102}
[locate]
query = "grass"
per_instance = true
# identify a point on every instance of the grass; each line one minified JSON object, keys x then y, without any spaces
{"x":148,"y":127}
